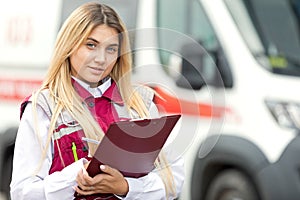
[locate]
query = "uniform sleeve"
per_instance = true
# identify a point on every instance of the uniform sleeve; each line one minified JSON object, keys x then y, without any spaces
{"x":27,"y":181}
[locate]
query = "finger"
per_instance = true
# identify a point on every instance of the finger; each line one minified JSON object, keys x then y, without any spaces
{"x":84,"y":170}
{"x":106,"y":169}
{"x":79,"y":178}
{"x":87,"y":191}
{"x":86,"y":178}
{"x":86,"y":164}
{"x":83,"y":179}
{"x":85,"y":187}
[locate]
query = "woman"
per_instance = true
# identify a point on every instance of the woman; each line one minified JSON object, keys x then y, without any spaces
{"x":87,"y":88}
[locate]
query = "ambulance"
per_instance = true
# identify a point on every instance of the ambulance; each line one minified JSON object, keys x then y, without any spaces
{"x":231,"y":68}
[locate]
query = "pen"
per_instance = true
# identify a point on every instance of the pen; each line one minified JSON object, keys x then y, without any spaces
{"x":90,"y":140}
{"x":74,"y":151}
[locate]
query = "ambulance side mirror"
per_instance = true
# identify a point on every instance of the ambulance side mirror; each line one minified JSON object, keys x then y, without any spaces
{"x":192,"y":55}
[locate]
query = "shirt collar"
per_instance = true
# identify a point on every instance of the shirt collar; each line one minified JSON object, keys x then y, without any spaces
{"x":107,"y":89}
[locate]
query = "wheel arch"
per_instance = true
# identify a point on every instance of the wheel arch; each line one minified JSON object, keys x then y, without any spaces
{"x":228,"y":152}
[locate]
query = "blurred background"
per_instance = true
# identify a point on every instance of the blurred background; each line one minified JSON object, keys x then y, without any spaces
{"x":230,"y":67}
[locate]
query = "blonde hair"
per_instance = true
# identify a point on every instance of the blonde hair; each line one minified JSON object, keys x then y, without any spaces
{"x":73,"y":33}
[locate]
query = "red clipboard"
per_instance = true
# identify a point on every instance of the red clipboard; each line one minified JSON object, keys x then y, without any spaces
{"x":132,"y":146}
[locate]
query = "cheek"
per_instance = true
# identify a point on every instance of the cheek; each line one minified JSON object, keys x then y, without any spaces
{"x":110,"y":68}
{"x":77,"y":60}
{"x":74,"y":69}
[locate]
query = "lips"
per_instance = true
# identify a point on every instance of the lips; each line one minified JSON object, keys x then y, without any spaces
{"x":96,"y":70}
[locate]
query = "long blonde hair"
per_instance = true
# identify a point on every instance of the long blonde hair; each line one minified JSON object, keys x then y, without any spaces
{"x":73,"y":33}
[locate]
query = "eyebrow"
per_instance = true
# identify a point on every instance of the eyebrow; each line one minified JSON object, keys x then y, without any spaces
{"x":94,"y":40}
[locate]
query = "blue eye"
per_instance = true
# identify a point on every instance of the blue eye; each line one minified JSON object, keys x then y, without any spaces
{"x":112,"y":49}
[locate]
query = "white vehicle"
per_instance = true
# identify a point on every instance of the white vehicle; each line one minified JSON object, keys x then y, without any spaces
{"x":230,"y":67}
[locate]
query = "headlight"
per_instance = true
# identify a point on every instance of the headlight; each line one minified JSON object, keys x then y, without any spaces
{"x":287,"y":114}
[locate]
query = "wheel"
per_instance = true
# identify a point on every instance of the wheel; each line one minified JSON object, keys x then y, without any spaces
{"x":231,"y":185}
{"x":7,"y":171}
{"x":7,"y":141}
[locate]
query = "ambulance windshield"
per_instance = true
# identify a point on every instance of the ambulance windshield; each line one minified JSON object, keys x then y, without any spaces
{"x":271,"y":30}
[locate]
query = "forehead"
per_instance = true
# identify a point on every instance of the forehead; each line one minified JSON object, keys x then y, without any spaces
{"x":104,"y":33}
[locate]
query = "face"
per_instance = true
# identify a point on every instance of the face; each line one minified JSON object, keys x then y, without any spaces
{"x":97,"y":56}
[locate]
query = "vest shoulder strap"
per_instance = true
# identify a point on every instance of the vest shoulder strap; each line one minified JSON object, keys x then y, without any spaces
{"x":146,"y":93}
{"x":42,"y":101}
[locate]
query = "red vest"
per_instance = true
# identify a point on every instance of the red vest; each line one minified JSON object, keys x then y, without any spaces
{"x":102,"y":110}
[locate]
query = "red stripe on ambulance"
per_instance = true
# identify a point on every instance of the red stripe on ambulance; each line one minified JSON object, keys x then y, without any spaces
{"x":17,"y":89}
{"x":171,"y":104}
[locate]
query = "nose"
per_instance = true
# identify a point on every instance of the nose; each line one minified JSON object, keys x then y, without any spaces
{"x":100,"y":57}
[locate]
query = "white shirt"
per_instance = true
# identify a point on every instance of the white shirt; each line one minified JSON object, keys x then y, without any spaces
{"x":97,"y":91}
{"x":59,"y":185}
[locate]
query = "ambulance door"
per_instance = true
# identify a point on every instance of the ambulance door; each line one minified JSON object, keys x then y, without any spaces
{"x":191,"y":54}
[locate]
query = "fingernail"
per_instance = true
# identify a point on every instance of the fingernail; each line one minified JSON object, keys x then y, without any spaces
{"x":102,"y":167}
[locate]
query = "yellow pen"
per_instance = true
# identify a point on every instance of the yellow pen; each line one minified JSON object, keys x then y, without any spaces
{"x":74,"y":151}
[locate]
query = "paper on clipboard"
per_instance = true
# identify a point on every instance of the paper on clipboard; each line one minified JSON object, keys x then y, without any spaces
{"x":132,"y":146}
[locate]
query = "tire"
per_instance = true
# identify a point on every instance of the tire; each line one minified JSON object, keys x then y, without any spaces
{"x":7,"y":141}
{"x":231,"y":185}
{"x":7,"y":172}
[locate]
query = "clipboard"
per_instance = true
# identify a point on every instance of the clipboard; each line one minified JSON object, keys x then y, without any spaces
{"x":132,"y":146}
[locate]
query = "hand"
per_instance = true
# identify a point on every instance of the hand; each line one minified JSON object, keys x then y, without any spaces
{"x":111,"y":181}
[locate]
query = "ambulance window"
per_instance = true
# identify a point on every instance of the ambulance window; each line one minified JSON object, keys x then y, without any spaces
{"x":186,"y":22}
{"x":271,"y":29}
